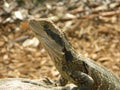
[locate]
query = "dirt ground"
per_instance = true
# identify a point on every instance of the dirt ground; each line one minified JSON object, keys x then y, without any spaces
{"x":21,"y":54}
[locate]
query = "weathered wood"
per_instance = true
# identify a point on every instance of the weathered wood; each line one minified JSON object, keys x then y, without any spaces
{"x":27,"y":84}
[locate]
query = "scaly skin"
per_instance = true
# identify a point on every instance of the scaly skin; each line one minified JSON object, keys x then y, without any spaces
{"x":82,"y":71}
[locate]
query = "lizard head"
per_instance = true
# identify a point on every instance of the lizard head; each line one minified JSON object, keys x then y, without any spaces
{"x":52,"y":39}
{"x":49,"y":35}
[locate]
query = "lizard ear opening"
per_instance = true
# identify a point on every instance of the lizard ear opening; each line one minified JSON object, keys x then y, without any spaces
{"x":68,"y":54}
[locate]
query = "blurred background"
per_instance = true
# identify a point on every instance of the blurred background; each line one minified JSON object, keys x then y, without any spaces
{"x":92,"y":27}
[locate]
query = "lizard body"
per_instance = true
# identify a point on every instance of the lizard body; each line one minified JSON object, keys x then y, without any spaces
{"x":82,"y":71}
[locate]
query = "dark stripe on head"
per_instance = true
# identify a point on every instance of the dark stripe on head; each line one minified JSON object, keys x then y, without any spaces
{"x":54,"y":36}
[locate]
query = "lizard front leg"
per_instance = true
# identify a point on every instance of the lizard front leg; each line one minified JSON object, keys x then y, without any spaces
{"x":84,"y":81}
{"x":62,"y":81}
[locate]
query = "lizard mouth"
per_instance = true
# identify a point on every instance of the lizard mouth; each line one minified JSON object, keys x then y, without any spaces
{"x":47,"y":41}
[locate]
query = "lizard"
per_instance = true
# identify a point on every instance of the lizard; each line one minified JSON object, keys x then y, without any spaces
{"x":73,"y":67}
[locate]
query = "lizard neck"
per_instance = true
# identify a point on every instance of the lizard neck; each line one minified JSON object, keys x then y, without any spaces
{"x":65,"y":53}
